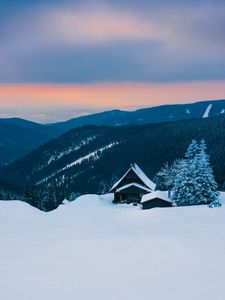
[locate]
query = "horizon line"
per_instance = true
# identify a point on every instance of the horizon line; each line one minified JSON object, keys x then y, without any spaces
{"x":125,"y":109}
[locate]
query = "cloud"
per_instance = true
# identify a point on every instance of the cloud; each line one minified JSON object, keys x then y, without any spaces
{"x":109,"y":94}
{"x":79,"y":26}
{"x":83,"y":25}
{"x":91,"y":42}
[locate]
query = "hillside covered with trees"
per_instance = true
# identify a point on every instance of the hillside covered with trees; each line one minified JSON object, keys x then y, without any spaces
{"x":90,"y":159}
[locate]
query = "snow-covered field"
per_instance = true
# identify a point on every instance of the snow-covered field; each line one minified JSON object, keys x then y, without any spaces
{"x":91,"y":249}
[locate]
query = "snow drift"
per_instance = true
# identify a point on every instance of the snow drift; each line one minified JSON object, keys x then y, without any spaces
{"x":92,"y":249}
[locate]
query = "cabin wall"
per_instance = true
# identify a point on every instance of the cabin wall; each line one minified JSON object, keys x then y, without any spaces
{"x":157,"y":202}
{"x":131,"y":198}
{"x":127,"y":198}
{"x":117,"y":198}
{"x":130,"y":195}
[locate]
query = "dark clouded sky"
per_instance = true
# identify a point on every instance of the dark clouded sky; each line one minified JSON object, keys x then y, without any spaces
{"x":162,"y":51}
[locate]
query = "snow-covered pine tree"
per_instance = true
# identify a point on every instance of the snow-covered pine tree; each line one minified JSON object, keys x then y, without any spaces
{"x":165,"y":178}
{"x":194,"y":182}
{"x":192,"y":150}
{"x":73,"y":196}
{"x":206,"y":186}
{"x":183,"y":192}
{"x":49,"y":200}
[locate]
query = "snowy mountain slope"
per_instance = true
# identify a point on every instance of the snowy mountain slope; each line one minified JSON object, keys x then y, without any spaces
{"x":157,"y":114}
{"x":90,"y":159}
{"x":74,"y":149}
{"x":91,"y":249}
{"x":18,"y":136}
{"x":207,"y":111}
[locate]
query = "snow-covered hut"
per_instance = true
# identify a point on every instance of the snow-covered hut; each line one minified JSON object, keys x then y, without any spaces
{"x":156,"y":199}
{"x":132,"y":186}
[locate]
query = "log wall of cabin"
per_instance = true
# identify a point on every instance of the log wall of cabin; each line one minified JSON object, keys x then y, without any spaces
{"x":131,"y":194}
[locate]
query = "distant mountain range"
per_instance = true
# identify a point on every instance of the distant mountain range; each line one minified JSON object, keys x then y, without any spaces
{"x":18,"y":137}
{"x":89,"y":159}
{"x":156,"y":114}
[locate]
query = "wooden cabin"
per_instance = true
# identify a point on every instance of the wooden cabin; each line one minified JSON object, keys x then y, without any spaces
{"x":132,"y":186}
{"x":156,"y":199}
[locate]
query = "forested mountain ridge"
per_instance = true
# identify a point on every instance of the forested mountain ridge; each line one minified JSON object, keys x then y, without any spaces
{"x":9,"y":191}
{"x":90,"y":159}
{"x":155,"y":114}
{"x":18,"y":137}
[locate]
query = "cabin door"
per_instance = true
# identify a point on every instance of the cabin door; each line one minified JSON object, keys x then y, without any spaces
{"x":133,"y":199}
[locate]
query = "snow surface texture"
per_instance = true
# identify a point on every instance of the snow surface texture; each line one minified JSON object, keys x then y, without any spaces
{"x":91,"y":249}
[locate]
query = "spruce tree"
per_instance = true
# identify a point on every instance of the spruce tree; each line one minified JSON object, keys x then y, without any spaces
{"x":183,"y":192}
{"x":165,"y":178}
{"x":184,"y":186}
{"x":192,"y":150}
{"x":206,"y":186}
{"x":194,"y":182}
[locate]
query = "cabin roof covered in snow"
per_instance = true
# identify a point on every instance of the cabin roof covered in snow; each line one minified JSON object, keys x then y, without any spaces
{"x":133,"y":184}
{"x":156,"y":194}
{"x":151,"y":185}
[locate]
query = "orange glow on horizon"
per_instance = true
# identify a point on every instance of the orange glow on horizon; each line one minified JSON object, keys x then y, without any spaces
{"x":110,"y":95}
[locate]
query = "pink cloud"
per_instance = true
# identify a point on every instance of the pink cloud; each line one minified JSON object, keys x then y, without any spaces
{"x":109,"y":95}
{"x":94,"y":26}
{"x":86,"y":24}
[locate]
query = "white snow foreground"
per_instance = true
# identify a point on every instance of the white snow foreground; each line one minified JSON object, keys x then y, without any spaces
{"x":91,"y":249}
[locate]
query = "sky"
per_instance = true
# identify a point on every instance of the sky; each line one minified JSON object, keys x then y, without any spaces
{"x":62,"y":59}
